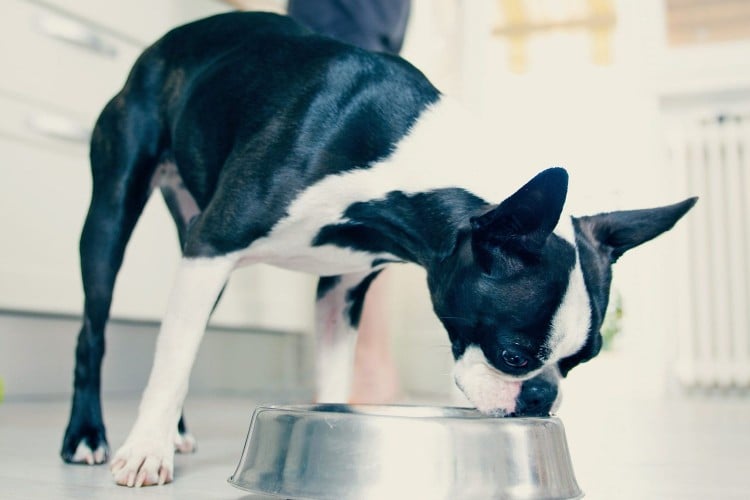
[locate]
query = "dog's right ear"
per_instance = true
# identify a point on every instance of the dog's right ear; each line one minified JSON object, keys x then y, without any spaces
{"x":521,"y":224}
{"x":616,"y":232}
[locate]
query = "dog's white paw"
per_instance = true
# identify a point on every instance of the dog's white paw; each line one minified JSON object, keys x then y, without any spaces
{"x":85,"y":455}
{"x":144,"y":462}
{"x":184,"y":443}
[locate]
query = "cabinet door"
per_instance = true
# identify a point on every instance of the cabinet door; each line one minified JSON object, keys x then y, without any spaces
{"x":43,"y":201}
{"x":58,"y":61}
{"x":143,"y":21}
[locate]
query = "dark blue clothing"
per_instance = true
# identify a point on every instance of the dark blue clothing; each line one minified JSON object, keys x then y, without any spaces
{"x":377,"y":25}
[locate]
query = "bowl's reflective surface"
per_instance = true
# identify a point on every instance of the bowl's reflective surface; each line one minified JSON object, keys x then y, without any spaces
{"x":340,"y":452}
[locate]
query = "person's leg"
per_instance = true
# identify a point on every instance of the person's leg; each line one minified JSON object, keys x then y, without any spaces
{"x":373,"y":25}
{"x":376,"y":378}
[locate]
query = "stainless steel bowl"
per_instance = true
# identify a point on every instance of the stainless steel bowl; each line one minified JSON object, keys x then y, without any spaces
{"x":340,"y":452}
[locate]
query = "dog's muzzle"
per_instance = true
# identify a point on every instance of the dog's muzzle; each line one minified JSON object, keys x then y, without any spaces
{"x":495,"y":393}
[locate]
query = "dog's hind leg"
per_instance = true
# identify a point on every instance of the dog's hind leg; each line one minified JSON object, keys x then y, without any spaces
{"x":338,"y":310}
{"x":123,"y":158}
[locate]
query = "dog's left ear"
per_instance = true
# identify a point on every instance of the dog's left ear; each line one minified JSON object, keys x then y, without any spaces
{"x":617,"y":232}
{"x":521,"y":224}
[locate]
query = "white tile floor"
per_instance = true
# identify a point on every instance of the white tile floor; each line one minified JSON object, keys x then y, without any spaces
{"x":676,"y":449}
{"x":679,"y":449}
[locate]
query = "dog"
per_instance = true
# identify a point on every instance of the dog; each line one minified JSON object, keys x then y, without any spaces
{"x":272,"y":144}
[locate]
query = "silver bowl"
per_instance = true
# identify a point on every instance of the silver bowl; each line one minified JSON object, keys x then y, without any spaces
{"x":363,"y":452}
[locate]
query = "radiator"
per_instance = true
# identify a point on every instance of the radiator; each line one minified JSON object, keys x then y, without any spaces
{"x":713,"y":157}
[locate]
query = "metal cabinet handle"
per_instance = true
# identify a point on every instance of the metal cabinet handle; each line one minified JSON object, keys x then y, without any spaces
{"x":74,"y":33}
{"x":59,"y":127}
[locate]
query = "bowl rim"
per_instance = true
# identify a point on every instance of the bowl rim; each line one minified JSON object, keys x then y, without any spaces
{"x":400,"y":411}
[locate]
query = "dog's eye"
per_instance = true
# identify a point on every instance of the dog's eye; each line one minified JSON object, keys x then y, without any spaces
{"x":513,"y":359}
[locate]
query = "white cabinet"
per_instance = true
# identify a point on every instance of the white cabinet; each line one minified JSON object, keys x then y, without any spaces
{"x":58,"y":72}
{"x":143,"y":21}
{"x":62,"y":60}
{"x":41,"y":220}
{"x":59,"y":61}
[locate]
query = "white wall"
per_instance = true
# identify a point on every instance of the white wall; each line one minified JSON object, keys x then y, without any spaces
{"x":604,"y":124}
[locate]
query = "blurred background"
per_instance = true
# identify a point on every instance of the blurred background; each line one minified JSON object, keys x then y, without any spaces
{"x":645,"y":102}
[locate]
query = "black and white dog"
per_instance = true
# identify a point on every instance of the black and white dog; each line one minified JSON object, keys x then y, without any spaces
{"x":274,"y":145}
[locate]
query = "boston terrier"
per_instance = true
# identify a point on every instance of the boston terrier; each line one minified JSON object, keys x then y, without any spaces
{"x":272,"y":144}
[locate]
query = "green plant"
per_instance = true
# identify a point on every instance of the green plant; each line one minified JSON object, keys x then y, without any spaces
{"x":612,"y":325}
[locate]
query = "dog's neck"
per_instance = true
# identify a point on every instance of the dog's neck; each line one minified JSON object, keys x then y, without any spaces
{"x":421,"y":228}
{"x":406,"y":207}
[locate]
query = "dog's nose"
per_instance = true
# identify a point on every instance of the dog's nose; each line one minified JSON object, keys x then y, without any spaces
{"x":536,"y":398}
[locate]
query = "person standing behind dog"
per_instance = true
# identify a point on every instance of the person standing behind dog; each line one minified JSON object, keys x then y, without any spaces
{"x":378,"y":25}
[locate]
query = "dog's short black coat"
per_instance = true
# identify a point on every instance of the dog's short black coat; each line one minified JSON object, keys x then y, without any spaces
{"x":253,"y":110}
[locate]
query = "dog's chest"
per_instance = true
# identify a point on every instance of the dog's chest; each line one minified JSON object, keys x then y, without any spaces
{"x":291,"y":242}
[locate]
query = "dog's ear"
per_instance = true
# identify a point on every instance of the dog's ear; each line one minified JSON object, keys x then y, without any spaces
{"x":521,"y":224}
{"x":615,"y":233}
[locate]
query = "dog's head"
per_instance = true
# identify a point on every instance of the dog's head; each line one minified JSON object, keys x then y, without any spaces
{"x":523,"y":294}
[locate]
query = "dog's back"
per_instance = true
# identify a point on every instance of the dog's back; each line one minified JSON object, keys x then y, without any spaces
{"x":287,"y":99}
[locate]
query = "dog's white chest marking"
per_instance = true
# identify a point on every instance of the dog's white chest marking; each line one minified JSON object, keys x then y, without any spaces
{"x":572,"y":320}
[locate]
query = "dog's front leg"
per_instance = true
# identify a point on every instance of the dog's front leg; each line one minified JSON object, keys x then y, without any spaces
{"x":147,"y":455}
{"x":338,"y":308}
